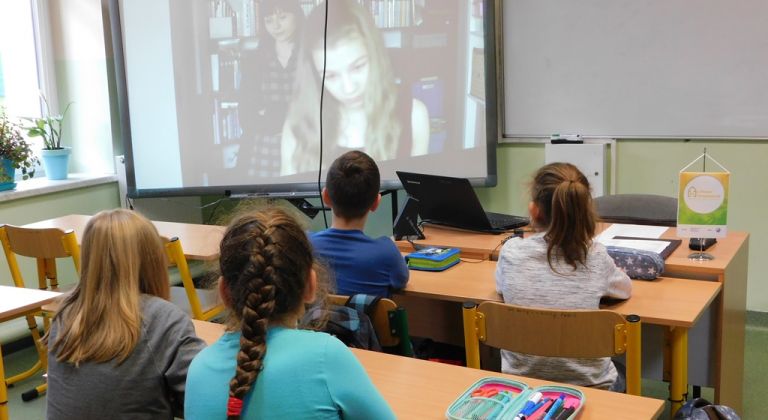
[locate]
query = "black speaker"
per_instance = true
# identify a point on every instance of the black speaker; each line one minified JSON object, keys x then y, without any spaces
{"x":406,"y":223}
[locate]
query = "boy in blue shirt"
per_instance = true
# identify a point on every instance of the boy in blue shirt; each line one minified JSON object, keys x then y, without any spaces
{"x":359,"y":263}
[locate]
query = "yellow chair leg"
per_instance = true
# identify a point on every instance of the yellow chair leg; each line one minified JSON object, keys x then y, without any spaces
{"x":52,"y":274}
{"x":666,"y":373}
{"x":41,"y":353}
{"x":471,"y":344}
{"x":37,"y":367}
{"x":42,"y":281}
{"x":634,"y":359}
{"x":3,"y":391}
{"x":679,"y":382}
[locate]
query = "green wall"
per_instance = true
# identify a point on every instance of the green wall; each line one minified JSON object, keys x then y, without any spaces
{"x":651,"y":167}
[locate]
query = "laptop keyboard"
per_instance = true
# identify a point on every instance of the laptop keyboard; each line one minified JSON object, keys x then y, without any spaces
{"x":506,"y":221}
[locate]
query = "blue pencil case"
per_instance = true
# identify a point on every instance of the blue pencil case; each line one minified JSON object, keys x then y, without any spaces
{"x":503,"y":399}
{"x":433,"y":259}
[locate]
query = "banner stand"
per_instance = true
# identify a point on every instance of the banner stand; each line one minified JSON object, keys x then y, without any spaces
{"x":703,"y":204}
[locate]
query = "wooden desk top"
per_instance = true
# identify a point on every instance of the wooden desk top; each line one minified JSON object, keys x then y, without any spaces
{"x":472,"y":244}
{"x":723,"y":251}
{"x":485,"y":245}
{"x":17,"y":301}
{"x":419,"y":389}
{"x":665,"y":301}
{"x":200,"y":242}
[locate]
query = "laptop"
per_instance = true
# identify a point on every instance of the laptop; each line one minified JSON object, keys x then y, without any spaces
{"x":452,"y":202}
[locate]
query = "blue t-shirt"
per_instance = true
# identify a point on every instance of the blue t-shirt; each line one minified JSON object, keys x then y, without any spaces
{"x":359,"y":263}
{"x":306,"y":374}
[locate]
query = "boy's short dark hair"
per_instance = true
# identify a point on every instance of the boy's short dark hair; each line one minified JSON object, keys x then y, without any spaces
{"x":353,"y":183}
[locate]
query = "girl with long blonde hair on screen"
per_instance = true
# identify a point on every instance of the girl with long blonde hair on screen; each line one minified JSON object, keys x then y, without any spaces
{"x":363,"y":107}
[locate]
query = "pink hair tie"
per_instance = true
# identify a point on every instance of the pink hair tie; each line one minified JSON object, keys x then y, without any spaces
{"x":234,"y":406}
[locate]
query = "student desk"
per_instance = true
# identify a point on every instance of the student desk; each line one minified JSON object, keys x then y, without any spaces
{"x":200,"y":242}
{"x":418,"y":389}
{"x":16,"y":302}
{"x":719,"y":337}
{"x":433,"y":302}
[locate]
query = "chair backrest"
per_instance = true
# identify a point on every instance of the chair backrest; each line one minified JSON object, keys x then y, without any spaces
{"x":175,"y":254}
{"x":553,"y":333}
{"x":642,"y":209}
{"x":45,"y":245}
{"x":390,"y":322}
{"x":379,"y":318}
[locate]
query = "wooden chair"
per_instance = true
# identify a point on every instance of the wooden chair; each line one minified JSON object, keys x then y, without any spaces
{"x":45,"y":246}
{"x":640,"y":209}
{"x":389,"y":321}
{"x":555,"y":333}
{"x":201,"y":304}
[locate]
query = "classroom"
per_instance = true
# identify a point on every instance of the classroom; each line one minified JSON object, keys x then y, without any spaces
{"x":78,"y":62}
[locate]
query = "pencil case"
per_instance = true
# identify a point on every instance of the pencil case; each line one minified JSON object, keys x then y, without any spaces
{"x":433,"y":259}
{"x":637,"y":263}
{"x":504,"y":399}
{"x":488,"y":396}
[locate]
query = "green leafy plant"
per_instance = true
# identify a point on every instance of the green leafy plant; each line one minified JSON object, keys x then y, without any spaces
{"x":15,"y":148}
{"x":49,"y":127}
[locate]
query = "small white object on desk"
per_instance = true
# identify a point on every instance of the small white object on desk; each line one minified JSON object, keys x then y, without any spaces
{"x":634,"y":231}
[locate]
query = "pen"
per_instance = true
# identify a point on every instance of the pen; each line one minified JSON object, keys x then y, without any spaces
{"x":557,"y":412}
{"x":535,"y":398}
{"x":565,"y":413}
{"x":541,"y":411}
{"x":555,"y":406}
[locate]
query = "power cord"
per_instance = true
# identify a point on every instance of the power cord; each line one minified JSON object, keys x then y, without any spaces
{"x":213,"y":212}
{"x":517,"y":233}
{"x":415,"y":246}
{"x":322,"y":96}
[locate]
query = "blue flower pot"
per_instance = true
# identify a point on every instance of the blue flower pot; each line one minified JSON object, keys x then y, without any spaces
{"x":8,"y":175}
{"x":56,"y":162}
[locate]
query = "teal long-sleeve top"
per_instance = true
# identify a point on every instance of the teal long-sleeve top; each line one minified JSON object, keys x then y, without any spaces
{"x":306,"y":374}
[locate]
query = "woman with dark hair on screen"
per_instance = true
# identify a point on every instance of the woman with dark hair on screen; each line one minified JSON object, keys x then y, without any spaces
{"x":363,"y":108}
{"x":267,"y":85}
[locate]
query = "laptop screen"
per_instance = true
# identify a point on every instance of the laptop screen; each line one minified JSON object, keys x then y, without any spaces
{"x":446,"y":200}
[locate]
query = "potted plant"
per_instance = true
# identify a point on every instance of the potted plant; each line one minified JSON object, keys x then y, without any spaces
{"x":15,"y":153}
{"x":49,"y":127}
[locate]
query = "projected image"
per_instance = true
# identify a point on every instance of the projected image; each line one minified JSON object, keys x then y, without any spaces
{"x":237,"y":102}
{"x":267,"y":79}
{"x":363,"y":108}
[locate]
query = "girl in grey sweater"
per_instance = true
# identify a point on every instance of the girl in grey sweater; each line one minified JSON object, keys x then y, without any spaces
{"x":117,"y":349}
{"x":560,"y":268}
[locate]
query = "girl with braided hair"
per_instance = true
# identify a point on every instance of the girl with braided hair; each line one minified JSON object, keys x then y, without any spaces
{"x":560,"y":267}
{"x":264,"y":367}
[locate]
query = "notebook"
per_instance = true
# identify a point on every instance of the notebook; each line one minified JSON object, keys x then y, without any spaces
{"x":452,"y":202}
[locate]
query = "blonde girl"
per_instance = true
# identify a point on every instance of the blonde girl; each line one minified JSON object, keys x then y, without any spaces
{"x":560,"y":267}
{"x":117,"y":348}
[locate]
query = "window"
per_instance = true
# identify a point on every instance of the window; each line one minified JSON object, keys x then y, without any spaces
{"x":24,"y":67}
{"x":19,"y":85}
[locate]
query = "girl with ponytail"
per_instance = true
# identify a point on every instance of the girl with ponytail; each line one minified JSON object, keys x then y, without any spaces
{"x":560,"y":267}
{"x":265,"y":367}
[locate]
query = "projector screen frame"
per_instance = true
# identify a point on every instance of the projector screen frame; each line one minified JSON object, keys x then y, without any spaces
{"x":492,"y":15}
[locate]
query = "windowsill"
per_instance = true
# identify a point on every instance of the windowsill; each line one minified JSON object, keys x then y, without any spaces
{"x":42,"y":185}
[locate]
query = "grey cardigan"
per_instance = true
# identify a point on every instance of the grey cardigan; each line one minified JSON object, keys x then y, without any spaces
{"x":524,"y":278}
{"x":147,"y":385}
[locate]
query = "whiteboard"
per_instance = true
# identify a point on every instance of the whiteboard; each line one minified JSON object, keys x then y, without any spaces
{"x":636,"y":68}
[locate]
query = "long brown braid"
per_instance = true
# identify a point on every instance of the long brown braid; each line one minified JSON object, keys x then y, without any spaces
{"x":265,"y":261}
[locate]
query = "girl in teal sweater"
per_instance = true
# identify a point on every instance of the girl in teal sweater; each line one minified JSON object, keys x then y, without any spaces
{"x":265,"y":367}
